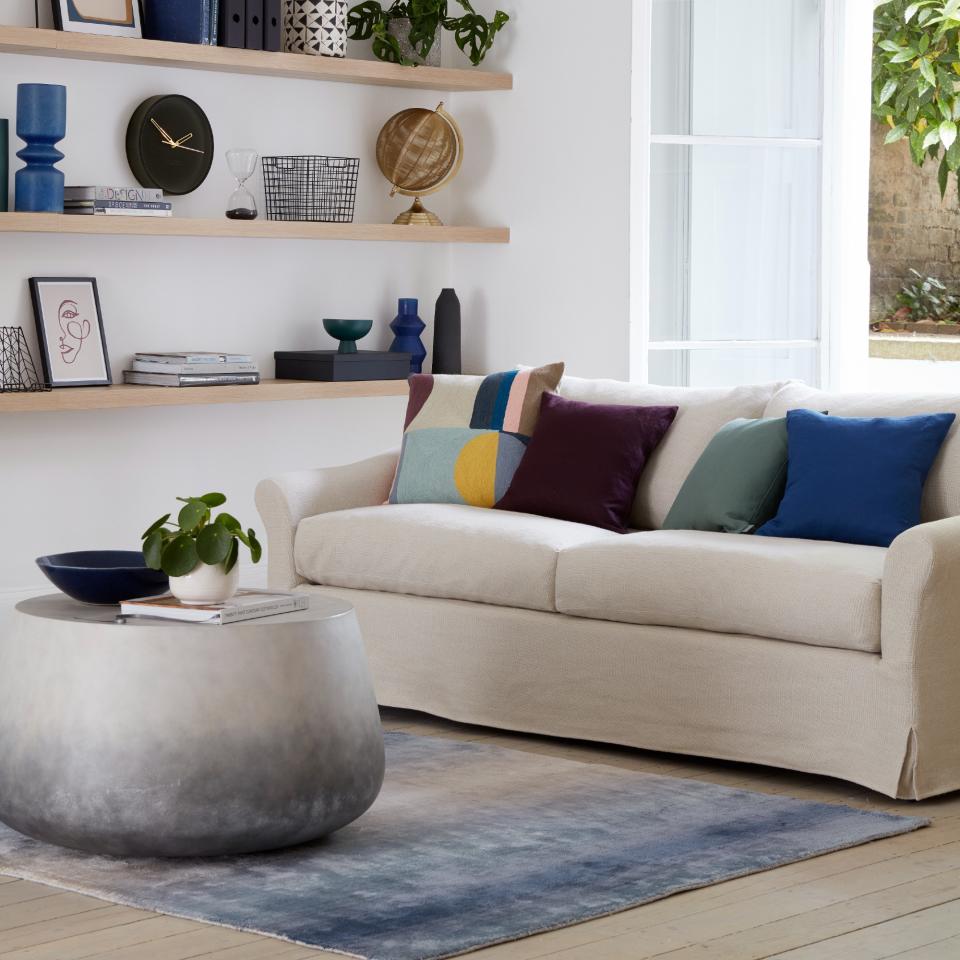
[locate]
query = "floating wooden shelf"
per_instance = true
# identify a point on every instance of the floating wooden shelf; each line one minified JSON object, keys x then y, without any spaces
{"x":79,"y":46}
{"x":122,"y":395}
{"x":251,"y":229}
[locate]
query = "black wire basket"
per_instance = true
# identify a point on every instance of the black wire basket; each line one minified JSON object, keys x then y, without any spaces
{"x":18,"y":374}
{"x":310,"y":188}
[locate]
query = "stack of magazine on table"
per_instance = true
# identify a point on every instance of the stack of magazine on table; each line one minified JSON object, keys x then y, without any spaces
{"x":192,"y":369}
{"x":116,"y":202}
{"x":243,"y":605}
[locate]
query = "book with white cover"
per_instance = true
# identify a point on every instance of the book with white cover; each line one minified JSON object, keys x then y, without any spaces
{"x":196,"y":356}
{"x":153,"y":366}
{"x":244,"y":605}
{"x":190,"y":379}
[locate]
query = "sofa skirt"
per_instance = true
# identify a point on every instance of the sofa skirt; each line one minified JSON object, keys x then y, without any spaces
{"x":840,"y":713}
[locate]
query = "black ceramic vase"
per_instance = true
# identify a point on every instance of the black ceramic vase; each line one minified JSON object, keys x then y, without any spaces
{"x":446,"y":333}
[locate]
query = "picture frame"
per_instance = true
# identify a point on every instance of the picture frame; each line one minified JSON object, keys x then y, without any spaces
{"x":109,"y":18}
{"x":70,"y":334}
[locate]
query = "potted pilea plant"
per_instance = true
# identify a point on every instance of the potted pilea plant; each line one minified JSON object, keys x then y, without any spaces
{"x":419,"y":21}
{"x":199,"y":552}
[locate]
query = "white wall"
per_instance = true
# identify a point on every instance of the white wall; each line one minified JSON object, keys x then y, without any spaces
{"x":549,"y":159}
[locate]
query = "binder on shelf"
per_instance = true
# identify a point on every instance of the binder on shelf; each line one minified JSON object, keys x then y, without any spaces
{"x":254,"y":34}
{"x":233,"y":23}
{"x":273,"y":25}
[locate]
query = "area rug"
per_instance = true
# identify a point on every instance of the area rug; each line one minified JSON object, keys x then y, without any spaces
{"x":471,"y":845}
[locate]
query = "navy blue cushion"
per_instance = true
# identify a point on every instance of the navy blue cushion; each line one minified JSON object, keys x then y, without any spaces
{"x":855,"y":480}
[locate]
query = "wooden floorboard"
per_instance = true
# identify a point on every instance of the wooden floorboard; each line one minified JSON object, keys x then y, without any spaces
{"x":896,"y":898}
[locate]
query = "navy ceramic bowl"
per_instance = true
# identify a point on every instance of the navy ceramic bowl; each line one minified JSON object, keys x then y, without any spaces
{"x":103,"y":576}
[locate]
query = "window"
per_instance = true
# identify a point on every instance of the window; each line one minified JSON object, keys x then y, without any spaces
{"x":728,"y":178}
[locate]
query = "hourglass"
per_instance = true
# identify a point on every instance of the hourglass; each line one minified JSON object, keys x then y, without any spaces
{"x":241,"y":205}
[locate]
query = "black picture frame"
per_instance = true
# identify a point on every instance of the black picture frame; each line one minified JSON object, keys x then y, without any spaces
{"x":67,"y":17}
{"x":59,"y":352}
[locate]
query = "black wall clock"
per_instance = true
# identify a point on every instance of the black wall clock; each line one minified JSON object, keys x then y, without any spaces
{"x":170,"y":144}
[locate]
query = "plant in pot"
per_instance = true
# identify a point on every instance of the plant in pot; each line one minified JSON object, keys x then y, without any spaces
{"x":419,"y":23}
{"x":199,"y":552}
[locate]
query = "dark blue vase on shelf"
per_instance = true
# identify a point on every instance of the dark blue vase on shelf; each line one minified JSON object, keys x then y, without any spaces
{"x":4,"y":164}
{"x":407,"y":327}
{"x":41,"y":123}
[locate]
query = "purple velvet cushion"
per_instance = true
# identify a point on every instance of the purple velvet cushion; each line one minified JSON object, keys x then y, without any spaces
{"x":584,"y":460}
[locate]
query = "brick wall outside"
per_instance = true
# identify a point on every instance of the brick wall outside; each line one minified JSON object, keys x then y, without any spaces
{"x":909,"y":225}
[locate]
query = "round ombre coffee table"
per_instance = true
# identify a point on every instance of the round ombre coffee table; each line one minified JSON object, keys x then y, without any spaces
{"x":161,"y":738}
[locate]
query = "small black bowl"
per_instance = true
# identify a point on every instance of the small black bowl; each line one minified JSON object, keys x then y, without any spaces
{"x":103,"y":576}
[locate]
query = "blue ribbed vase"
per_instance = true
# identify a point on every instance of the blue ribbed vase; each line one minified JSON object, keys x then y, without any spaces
{"x":41,"y":123}
{"x":407,"y":327}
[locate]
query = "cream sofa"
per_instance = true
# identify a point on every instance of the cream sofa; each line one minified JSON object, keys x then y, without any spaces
{"x":824,"y":657}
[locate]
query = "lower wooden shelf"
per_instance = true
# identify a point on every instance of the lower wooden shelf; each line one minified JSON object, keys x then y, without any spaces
{"x":120,"y":396}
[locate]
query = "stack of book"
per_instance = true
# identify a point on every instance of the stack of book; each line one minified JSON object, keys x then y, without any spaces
{"x":116,"y":202}
{"x":192,"y":369}
{"x":244,"y":605}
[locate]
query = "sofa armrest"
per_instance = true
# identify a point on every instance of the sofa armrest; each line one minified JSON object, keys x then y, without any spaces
{"x":920,"y":616}
{"x":286,"y":500}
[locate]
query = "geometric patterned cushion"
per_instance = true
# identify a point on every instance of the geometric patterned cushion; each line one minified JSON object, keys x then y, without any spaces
{"x":464,"y":437}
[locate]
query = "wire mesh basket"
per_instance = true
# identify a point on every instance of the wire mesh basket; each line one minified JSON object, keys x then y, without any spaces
{"x":310,"y":188}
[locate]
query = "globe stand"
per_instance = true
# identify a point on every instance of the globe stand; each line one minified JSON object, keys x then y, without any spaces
{"x":418,"y":215}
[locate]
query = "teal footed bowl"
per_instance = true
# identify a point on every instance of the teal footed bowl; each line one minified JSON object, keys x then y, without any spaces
{"x":348,"y":332}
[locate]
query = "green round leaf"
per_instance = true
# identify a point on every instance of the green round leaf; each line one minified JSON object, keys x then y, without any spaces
{"x":192,"y":515}
{"x":232,"y":556}
{"x":256,"y":551}
{"x":180,"y":556}
{"x":153,"y":549}
{"x":156,"y":525}
{"x":213,"y":543}
{"x":230,"y":522}
{"x":213,"y":499}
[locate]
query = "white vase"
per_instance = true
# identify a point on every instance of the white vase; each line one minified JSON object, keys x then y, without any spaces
{"x":206,"y":583}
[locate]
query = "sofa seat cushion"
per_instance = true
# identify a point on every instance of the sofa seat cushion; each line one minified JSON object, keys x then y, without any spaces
{"x":441,"y":550}
{"x":806,"y":591}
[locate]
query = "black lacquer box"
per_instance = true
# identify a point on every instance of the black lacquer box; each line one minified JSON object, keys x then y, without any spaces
{"x":332,"y":366}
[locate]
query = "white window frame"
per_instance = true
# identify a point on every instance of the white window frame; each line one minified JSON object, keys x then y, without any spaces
{"x":841,"y":343}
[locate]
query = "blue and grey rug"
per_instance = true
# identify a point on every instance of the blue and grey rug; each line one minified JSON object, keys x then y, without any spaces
{"x":471,"y":845}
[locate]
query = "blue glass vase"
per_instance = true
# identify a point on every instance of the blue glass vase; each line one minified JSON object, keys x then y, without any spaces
{"x":407,"y":327}
{"x":41,"y":123}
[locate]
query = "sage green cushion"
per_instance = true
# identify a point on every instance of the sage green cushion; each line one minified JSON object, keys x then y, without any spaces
{"x":738,"y":482}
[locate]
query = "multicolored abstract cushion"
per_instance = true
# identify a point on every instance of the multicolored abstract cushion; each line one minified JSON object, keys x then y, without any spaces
{"x":464,"y":437}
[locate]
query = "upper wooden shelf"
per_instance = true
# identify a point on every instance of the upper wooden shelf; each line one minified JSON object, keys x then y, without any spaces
{"x":124,"y":395}
{"x":81,"y":46}
{"x":250,"y":229}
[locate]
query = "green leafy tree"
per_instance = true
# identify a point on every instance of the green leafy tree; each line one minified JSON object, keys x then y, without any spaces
{"x":473,"y":33}
{"x":916,"y":76}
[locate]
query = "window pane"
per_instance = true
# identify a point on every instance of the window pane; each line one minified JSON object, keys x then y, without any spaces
{"x":728,"y":368}
{"x":746,"y":68}
{"x":734,"y":235}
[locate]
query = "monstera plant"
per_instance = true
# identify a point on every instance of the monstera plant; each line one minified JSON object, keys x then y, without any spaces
{"x":916,"y":79}
{"x":473,"y":33}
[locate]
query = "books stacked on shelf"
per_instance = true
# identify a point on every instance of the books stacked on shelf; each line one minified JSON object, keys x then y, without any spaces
{"x":192,"y":369}
{"x":243,"y":605}
{"x":183,"y":21}
{"x":116,"y":202}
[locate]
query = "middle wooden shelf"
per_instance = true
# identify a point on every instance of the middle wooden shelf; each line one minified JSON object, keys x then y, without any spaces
{"x":250,"y":229}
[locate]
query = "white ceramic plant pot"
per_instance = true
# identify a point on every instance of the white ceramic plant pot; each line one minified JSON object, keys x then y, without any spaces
{"x":206,"y":583}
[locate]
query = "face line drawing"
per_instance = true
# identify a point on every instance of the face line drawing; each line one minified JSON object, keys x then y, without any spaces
{"x":74,"y":331}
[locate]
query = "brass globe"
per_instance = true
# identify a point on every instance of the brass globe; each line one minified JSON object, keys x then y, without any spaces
{"x":419,"y":151}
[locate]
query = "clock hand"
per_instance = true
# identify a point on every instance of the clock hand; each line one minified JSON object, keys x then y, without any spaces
{"x":180,"y":146}
{"x":183,"y":139}
{"x":166,"y":136}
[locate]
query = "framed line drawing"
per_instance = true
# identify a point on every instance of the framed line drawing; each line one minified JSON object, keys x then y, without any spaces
{"x":73,"y":346}
{"x":112,"y":18}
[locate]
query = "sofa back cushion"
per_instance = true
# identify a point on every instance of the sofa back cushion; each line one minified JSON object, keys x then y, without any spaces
{"x":700,"y":414}
{"x":941,"y":495}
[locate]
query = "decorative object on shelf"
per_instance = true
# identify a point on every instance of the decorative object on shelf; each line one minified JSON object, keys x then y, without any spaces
{"x":103,"y":576}
{"x":253,"y":36}
{"x":273,"y":25}
{"x":4,"y":165}
{"x":199,"y":552}
{"x":41,"y":123}
{"x":400,"y":28}
{"x":446,"y":333}
{"x":73,"y":346}
{"x":242,"y":205}
{"x":180,"y":21}
{"x":316,"y":189}
{"x":348,"y":332}
{"x":233,"y":23}
{"x":316,"y":27}
{"x":170,"y":144}
{"x":18,"y":373}
{"x":407,"y":327}
{"x":331,"y":366}
{"x":473,"y":33}
{"x":419,"y":151}
{"x":112,"y":18}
